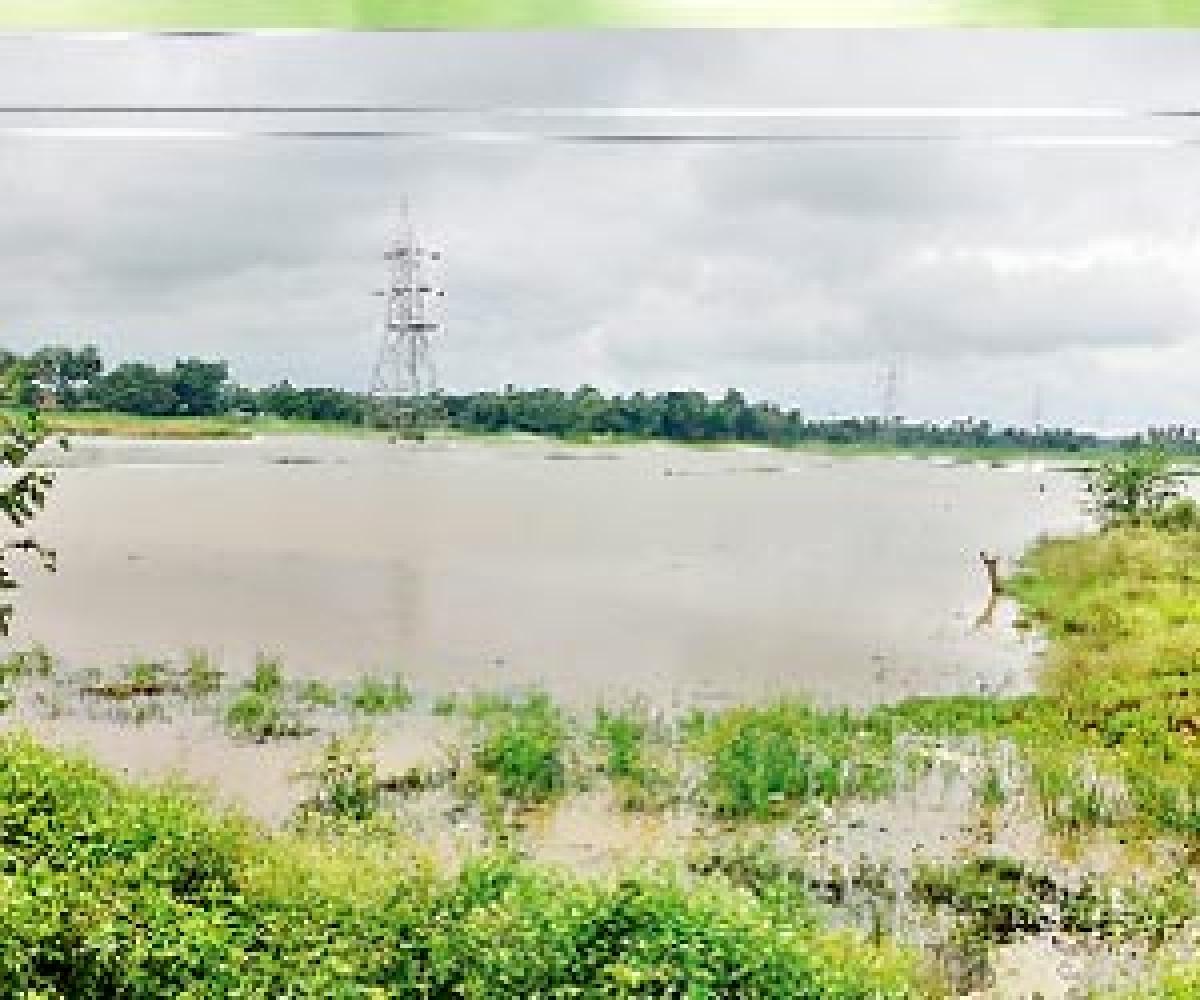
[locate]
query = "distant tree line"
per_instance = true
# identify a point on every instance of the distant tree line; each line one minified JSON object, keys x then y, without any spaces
{"x":78,"y":379}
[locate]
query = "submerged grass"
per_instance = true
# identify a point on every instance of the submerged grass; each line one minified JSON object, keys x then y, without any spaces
{"x":1002,"y":897}
{"x":111,"y":890}
{"x":760,"y":760}
{"x":522,"y":748}
{"x":374,"y":696}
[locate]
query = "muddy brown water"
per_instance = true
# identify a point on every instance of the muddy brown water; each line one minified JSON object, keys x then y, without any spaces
{"x":597,"y":572}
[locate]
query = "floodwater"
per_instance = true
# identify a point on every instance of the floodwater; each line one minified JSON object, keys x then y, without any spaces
{"x":689,"y":576}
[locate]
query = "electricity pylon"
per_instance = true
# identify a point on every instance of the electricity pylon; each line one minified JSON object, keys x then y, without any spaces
{"x":404,"y":380}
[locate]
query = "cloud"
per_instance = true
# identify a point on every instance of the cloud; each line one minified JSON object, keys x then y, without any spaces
{"x":794,"y":270}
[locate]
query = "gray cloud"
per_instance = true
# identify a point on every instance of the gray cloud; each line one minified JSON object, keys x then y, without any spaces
{"x":794,"y":270}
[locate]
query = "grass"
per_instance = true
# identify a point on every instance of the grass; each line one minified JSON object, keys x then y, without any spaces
{"x":260,"y":717}
{"x":37,"y":661}
{"x":522,"y":748}
{"x":116,"y":890}
{"x":345,"y":779}
{"x":445,"y":705}
{"x":105,"y":424}
{"x":1122,"y":611}
{"x":124,"y":425}
{"x":760,"y":760}
{"x":201,"y":676}
{"x":374,"y":696}
{"x":317,"y":694}
{"x":259,"y":711}
{"x":1002,"y":897}
{"x":268,"y":676}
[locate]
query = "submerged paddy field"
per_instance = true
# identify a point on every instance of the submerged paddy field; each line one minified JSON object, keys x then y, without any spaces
{"x":399,"y":831}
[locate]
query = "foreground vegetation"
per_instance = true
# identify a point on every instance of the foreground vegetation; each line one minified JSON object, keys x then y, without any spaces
{"x":107,"y":890}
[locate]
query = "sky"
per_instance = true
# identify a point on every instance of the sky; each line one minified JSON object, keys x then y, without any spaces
{"x":993,"y":215}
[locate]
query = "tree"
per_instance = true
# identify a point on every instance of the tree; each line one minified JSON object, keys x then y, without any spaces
{"x":199,"y":386}
{"x":65,"y":371}
{"x":20,"y":383}
{"x":1133,"y":487}
{"x":138,"y":388}
{"x":21,"y":496}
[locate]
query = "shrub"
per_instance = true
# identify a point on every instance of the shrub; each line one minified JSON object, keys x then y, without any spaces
{"x":1133,"y":487}
{"x":260,"y":717}
{"x":524,"y":749}
{"x":109,"y":890}
{"x":1182,"y":514}
{"x":346,"y":783}
{"x":317,"y":694}
{"x":445,"y":705}
{"x":378,"y":697}
{"x":759,"y":759}
{"x":200,"y":676}
{"x":268,"y":676}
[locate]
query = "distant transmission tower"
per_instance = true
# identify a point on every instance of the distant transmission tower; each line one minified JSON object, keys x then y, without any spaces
{"x":890,"y":386}
{"x":404,"y":379}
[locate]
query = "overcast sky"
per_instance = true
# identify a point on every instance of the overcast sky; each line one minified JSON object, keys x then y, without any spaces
{"x":988,"y":269}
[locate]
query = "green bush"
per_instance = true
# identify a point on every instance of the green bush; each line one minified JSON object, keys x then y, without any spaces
{"x":107,"y":890}
{"x":377,"y":697}
{"x":317,"y":694}
{"x":201,"y":677}
{"x":260,"y":717}
{"x":760,"y":759}
{"x":345,"y":780}
{"x":523,"y":748}
{"x":623,"y":735}
{"x":268,"y":676}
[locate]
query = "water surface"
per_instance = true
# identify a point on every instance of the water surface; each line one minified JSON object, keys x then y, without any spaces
{"x":692,"y":576}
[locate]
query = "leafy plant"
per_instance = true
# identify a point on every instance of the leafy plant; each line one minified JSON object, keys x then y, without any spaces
{"x":760,"y":759}
{"x":260,"y":717}
{"x":268,"y":676}
{"x":378,"y":697}
{"x":21,"y":497}
{"x":317,"y":694}
{"x":445,"y":705}
{"x":345,"y":778}
{"x":113,"y":890}
{"x":524,"y":749}
{"x":201,"y":677}
{"x":1134,"y":486}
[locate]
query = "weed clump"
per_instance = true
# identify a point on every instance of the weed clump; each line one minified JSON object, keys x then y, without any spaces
{"x":260,"y":717}
{"x":258,"y":712}
{"x":200,"y":676}
{"x":640,"y":777}
{"x":37,"y":661}
{"x":317,"y":694}
{"x":759,"y":760}
{"x":523,"y":748}
{"x":268,"y":677}
{"x":445,"y":705}
{"x":345,"y":779}
{"x":378,"y":697}
{"x":1001,"y":898}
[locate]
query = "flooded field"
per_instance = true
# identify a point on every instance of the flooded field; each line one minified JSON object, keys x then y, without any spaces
{"x":693,"y":577}
{"x":243,"y":614}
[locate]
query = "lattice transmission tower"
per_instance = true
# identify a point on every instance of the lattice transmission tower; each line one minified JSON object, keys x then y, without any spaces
{"x":404,"y":380}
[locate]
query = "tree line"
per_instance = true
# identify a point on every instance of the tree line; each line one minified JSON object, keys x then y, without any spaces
{"x":79,"y":379}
